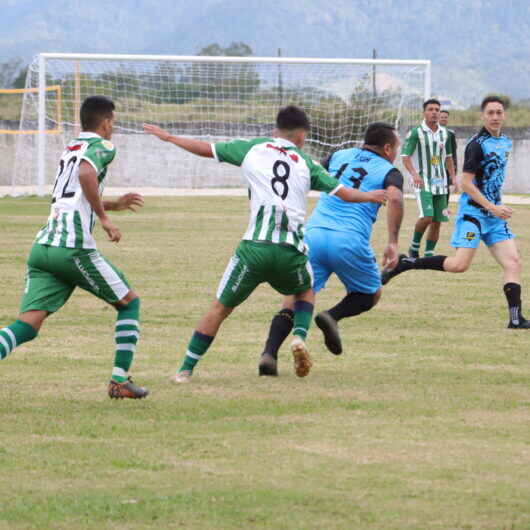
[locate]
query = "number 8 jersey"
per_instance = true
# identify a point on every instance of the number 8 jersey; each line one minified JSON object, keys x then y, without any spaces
{"x":72,"y":219}
{"x":279,"y":177}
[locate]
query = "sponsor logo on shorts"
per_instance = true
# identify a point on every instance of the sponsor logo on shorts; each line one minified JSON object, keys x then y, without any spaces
{"x":239,"y":278}
{"x":470,"y":236}
{"x":85,"y":273}
{"x":300,"y":274}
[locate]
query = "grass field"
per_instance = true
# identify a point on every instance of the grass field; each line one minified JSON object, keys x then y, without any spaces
{"x":423,"y":422}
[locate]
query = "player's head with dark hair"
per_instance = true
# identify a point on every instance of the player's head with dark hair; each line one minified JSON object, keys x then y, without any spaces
{"x":95,"y":111}
{"x":431,"y":112}
{"x":292,"y":124}
{"x":492,"y":99}
{"x":382,"y":138}
{"x":431,"y":101}
{"x":292,"y":117}
{"x":493,"y":114}
{"x":444,"y":111}
{"x":444,"y":117}
{"x":380,"y":133}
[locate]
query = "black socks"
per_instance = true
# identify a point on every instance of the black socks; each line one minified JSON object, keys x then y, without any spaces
{"x":281,"y":327}
{"x":352,"y":304}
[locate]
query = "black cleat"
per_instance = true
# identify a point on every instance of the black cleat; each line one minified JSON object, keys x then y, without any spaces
{"x":413,"y":253}
{"x":403,"y":264}
{"x":268,"y":365}
{"x":127,"y":389}
{"x":330,"y":329}
{"x":522,"y":324}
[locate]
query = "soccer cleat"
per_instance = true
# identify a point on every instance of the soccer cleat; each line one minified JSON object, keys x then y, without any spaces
{"x":330,"y":329}
{"x":268,"y":365}
{"x":127,"y":389}
{"x":403,"y":264}
{"x":413,"y":253}
{"x":521,"y":324}
{"x":183,"y":376}
{"x":302,"y":360}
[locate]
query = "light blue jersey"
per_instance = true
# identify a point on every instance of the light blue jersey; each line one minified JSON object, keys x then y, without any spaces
{"x":357,"y":168}
{"x":486,"y":157}
{"x":338,"y":233}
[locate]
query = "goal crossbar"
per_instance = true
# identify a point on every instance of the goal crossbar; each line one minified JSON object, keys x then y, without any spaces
{"x":230,"y":59}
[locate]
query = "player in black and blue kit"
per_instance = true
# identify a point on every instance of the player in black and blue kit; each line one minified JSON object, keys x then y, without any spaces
{"x":481,"y":214}
{"x":339,"y":238}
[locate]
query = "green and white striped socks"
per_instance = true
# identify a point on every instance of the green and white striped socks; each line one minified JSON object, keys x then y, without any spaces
{"x":415,"y":243}
{"x":127,"y":335}
{"x":197,"y":347}
{"x":15,"y":335}
{"x":429,"y":248}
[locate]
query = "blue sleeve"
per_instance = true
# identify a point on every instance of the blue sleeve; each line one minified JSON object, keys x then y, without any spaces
{"x":393,"y":178}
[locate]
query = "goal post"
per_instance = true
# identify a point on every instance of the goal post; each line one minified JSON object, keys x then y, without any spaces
{"x":212,"y":98}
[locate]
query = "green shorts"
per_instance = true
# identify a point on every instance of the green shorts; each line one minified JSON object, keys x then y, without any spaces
{"x":54,"y":272}
{"x":430,"y":205}
{"x":282,"y":266}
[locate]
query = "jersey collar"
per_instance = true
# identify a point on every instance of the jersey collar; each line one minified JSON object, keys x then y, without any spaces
{"x":284,"y":143}
{"x":373,"y":152}
{"x":426,"y":128}
{"x":485,"y":132}
{"x":87,"y":134}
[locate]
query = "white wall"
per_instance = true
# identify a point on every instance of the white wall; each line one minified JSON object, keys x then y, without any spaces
{"x":145,"y":161}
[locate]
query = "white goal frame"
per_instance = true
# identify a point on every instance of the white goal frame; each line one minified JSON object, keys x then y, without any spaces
{"x":43,"y":57}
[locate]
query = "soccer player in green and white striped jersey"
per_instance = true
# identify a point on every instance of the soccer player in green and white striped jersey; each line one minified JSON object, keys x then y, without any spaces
{"x":64,"y":254}
{"x":430,"y":145}
{"x":279,"y":176}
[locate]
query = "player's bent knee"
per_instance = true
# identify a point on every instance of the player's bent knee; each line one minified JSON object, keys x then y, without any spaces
{"x":221,"y":310}
{"x":459,"y":266}
{"x":127,"y":299}
{"x":33,"y":318}
{"x":514,"y":264}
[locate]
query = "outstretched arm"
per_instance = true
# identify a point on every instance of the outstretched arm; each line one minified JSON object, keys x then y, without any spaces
{"x":197,"y":147}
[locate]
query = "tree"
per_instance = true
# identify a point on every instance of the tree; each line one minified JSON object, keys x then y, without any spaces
{"x":10,"y":72}
{"x":20,"y":79}
{"x":235,"y":81}
{"x":236,"y":49}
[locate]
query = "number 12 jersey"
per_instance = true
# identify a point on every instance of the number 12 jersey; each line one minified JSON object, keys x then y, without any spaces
{"x":279,"y":177}
{"x":72,"y":219}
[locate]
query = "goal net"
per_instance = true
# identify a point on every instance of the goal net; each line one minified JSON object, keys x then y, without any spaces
{"x":11,"y":101}
{"x":211,"y":98}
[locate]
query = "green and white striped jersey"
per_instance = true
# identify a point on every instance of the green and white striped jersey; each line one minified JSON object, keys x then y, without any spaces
{"x":431,"y":149}
{"x":72,"y":219}
{"x":279,"y":177}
